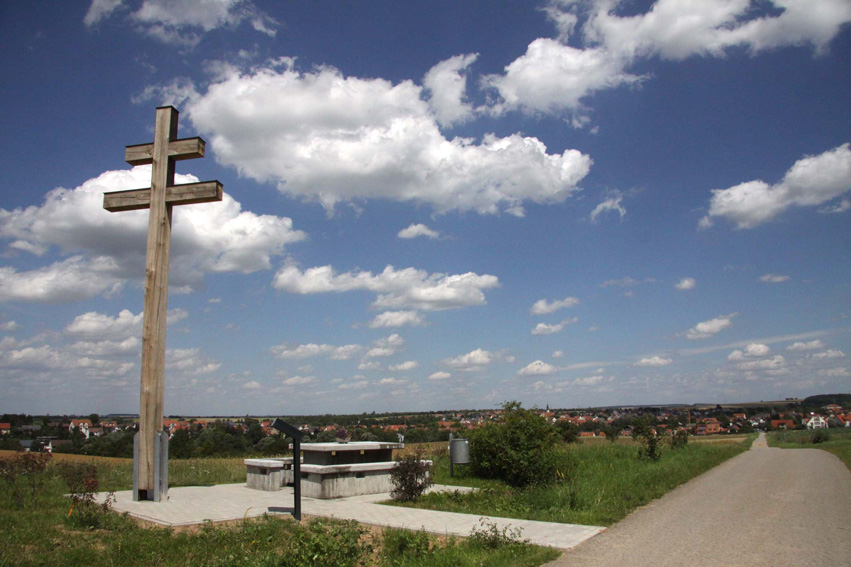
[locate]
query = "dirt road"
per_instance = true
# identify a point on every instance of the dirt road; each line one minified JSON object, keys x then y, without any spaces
{"x":777,"y":507}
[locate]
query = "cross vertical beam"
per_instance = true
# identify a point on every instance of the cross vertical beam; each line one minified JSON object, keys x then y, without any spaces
{"x":150,"y":458}
{"x":156,"y":303}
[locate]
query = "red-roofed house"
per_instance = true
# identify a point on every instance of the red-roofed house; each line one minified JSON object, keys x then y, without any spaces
{"x":83,"y":425}
{"x":782,"y":424}
{"x":5,"y":428}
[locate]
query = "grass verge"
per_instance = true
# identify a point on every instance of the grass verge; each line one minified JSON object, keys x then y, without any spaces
{"x":49,"y":531}
{"x":609,"y":482}
{"x":838,"y":442}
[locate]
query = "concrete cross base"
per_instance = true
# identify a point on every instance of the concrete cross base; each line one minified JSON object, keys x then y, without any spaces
{"x":159,"y":489}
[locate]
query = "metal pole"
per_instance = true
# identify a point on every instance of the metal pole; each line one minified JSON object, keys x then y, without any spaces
{"x":297,"y":479}
{"x":451,"y":475}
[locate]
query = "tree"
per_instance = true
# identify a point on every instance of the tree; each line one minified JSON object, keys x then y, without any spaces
{"x":522,"y":450}
{"x":612,"y":432}
{"x":181,"y":445}
{"x":644,"y":433}
{"x":255,"y":431}
{"x":569,"y":431}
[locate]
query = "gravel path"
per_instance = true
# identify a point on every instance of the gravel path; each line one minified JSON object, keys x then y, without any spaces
{"x":766,"y":507}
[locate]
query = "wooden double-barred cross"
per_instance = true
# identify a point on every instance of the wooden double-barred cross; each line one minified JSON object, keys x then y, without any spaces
{"x":150,"y":456}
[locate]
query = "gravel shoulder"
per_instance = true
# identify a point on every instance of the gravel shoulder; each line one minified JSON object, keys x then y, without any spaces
{"x":767,"y":506}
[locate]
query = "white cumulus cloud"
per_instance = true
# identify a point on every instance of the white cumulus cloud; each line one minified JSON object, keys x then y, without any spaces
{"x":811,"y":181}
{"x":311,"y":350}
{"x":810,"y":345}
{"x":537,"y":368}
{"x":397,"y":319}
{"x":440,"y":375}
{"x":654,"y":361}
{"x":387,"y":346}
{"x":415,"y":230}
{"x":711,"y":327}
{"x":108,"y":249}
{"x":404,"y":366}
{"x":446,"y":84}
{"x":333,"y":139}
{"x":773,"y":278}
{"x":773,"y":363}
{"x":544,"y":307}
{"x":407,"y":288}
{"x":753,"y":350}
{"x":686,"y":284}
{"x":472,"y":361}
{"x":832,"y":353}
{"x":554,"y":77}
{"x":612,"y":204}
{"x":184,"y":23}
{"x":547,"y":329}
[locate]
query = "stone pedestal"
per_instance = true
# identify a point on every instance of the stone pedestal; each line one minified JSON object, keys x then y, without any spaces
{"x":268,"y":474}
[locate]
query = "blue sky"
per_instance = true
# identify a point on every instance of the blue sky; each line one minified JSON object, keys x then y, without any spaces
{"x":431,"y":205}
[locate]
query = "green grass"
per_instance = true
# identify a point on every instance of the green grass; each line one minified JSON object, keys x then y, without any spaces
{"x":47,"y":532}
{"x":608,"y":483}
{"x":117,"y":474}
{"x":839,"y":443}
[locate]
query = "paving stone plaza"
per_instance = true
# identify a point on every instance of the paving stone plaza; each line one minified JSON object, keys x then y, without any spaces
{"x":226,"y":502}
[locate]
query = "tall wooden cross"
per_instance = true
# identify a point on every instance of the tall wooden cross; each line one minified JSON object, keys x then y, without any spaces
{"x":150,"y":454}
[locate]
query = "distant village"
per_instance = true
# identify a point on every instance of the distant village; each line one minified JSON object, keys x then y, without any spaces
{"x":209,"y":436}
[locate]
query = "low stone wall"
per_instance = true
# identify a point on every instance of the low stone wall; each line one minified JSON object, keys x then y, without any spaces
{"x":322,"y":481}
{"x":268,"y":474}
{"x":338,"y":481}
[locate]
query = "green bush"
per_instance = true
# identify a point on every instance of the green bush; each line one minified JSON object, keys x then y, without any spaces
{"x":521,"y":451}
{"x":490,"y":536}
{"x":410,"y":476}
{"x":323,"y":542}
{"x":569,"y":431}
{"x":30,"y":467}
{"x":82,"y":481}
{"x":400,"y":546}
{"x":648,"y":439}
{"x":820,"y":436}
{"x":679,"y":439}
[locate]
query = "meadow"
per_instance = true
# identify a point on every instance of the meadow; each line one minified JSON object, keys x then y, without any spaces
{"x":838,"y":441}
{"x":49,"y":529}
{"x":607,"y":483}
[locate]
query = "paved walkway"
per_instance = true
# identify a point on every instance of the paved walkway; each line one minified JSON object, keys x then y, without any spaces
{"x":767,"y":506}
{"x":197,"y":504}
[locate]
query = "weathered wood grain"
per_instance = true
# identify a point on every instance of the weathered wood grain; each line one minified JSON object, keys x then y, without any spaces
{"x":187,"y":194}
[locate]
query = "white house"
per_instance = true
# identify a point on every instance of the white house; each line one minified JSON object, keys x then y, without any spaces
{"x":816,"y":422}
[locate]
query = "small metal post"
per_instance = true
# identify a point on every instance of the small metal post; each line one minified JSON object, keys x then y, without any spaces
{"x":297,"y":478}
{"x":450,"y":457}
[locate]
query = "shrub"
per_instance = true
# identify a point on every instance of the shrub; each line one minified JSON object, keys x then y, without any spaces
{"x":82,"y":481}
{"x":569,"y":431}
{"x":410,"y":476}
{"x":521,"y":451}
{"x":323,"y":542}
{"x":490,"y":536}
{"x":679,"y":439}
{"x":400,"y":546}
{"x":31,"y":466}
{"x":644,"y":433}
{"x":612,"y":433}
{"x":820,"y":436}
